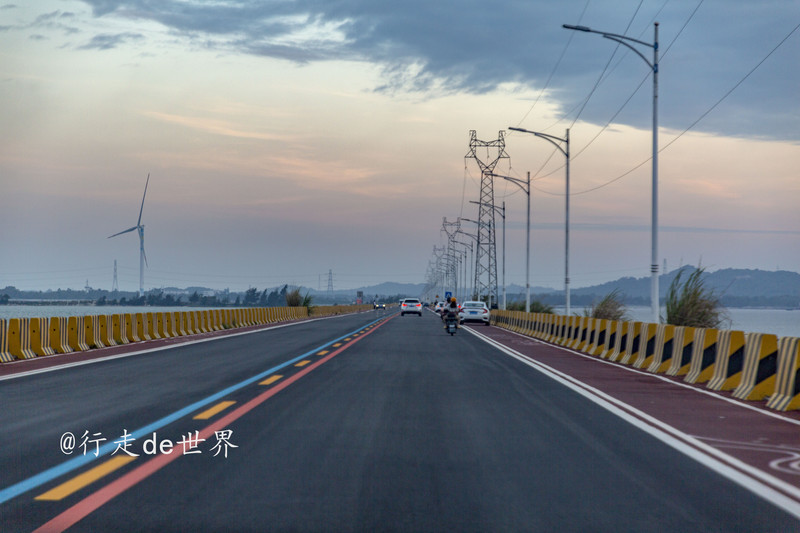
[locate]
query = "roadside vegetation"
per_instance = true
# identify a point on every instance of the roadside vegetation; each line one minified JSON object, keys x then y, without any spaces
{"x":610,"y":307}
{"x":690,"y":303}
{"x":536,"y":307}
{"x":295,"y":299}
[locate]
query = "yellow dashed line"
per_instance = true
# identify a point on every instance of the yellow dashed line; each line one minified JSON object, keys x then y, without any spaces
{"x":270,"y":380}
{"x":88,"y":477}
{"x":348,"y":339}
{"x":303,"y":363}
{"x":208,"y":413}
{"x":337,"y":344}
{"x":323,"y":352}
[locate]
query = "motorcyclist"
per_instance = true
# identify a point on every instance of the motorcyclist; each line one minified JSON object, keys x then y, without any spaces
{"x":450,"y":311}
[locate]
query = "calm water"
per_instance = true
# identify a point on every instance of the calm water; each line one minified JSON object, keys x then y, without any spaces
{"x":28,"y":311}
{"x":781,"y":322}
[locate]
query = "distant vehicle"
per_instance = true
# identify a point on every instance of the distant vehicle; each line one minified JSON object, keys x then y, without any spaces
{"x":411,"y":305}
{"x":379,"y":306}
{"x":474,"y":312}
{"x":438,"y":308}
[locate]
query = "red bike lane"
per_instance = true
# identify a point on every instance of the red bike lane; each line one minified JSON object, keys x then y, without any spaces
{"x":758,"y":446}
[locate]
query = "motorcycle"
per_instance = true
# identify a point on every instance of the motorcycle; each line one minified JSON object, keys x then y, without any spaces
{"x":451,"y":323}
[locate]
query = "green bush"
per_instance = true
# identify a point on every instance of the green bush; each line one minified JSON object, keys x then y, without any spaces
{"x":536,"y":307}
{"x":610,"y":307}
{"x":293,"y":298}
{"x":690,"y":303}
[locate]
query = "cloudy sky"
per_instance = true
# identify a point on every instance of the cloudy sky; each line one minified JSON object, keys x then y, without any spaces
{"x":287,"y":138}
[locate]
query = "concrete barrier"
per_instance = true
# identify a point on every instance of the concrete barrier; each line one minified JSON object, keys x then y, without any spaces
{"x":704,"y":355}
{"x":787,"y":387}
{"x":118,"y":329}
{"x":59,"y":334}
{"x":162,"y":325}
{"x":730,"y":361}
{"x":612,"y":332}
{"x":598,"y":337}
{"x":175,"y":323}
{"x":588,"y":335}
{"x":40,"y":336}
{"x":569,"y":330}
{"x":579,"y":335}
{"x":76,"y":333}
{"x":620,"y":341}
{"x":647,"y":345}
{"x":682,"y":350}
{"x":5,"y":355}
{"x":662,"y":354}
{"x":19,"y":338}
{"x":91,"y":324}
{"x":141,"y":327}
{"x":760,"y":367}
{"x":152,"y":325}
{"x":132,"y":327}
{"x":107,"y":330}
{"x":632,"y":344}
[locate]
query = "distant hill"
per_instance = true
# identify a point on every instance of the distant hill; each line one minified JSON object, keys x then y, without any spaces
{"x":736,"y":288}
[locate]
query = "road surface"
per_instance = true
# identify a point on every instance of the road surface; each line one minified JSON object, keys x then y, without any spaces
{"x":368,"y":422}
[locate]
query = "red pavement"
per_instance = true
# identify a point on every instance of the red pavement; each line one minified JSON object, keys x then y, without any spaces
{"x":762,"y":440}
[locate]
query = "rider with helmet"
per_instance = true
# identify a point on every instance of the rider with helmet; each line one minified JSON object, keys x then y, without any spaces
{"x":450,"y":311}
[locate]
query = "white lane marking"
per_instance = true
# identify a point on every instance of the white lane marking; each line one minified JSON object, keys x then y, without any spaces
{"x":763,"y":485}
{"x":156,"y":348}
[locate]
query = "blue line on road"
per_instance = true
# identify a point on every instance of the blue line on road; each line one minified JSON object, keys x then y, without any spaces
{"x":77,"y":462}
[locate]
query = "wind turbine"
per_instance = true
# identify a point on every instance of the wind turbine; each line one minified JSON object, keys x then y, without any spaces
{"x":140,"y":227}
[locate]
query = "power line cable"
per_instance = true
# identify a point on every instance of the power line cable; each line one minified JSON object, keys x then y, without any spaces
{"x":693,"y":124}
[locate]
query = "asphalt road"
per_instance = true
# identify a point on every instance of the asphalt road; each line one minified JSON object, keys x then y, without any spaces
{"x":391,"y":425}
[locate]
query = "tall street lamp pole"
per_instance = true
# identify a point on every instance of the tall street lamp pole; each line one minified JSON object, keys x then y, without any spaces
{"x":654,"y":296}
{"x":525,"y":185}
{"x":555,"y":141}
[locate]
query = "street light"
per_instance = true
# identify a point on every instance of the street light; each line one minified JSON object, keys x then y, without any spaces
{"x":526,"y":188}
{"x":654,"y":297}
{"x":555,"y":141}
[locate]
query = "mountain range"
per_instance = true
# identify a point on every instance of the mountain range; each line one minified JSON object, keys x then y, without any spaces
{"x":735,"y":287}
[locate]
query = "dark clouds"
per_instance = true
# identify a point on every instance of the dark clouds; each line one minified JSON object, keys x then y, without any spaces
{"x":108,"y":41}
{"x":473,"y":46}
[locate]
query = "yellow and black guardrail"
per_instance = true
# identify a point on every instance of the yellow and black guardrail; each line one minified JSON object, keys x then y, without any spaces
{"x":754,"y":366}
{"x":28,"y":338}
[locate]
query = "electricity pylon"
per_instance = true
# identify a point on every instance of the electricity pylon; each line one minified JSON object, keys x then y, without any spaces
{"x":486,"y":249}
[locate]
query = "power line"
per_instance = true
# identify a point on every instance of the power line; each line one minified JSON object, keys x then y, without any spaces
{"x":693,"y":124}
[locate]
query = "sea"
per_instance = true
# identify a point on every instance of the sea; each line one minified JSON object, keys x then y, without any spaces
{"x":780,"y":322}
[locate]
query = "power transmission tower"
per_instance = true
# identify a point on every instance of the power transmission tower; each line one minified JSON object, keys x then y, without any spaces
{"x":115,"y":284}
{"x":486,"y":249}
{"x":451,"y":270}
{"x":330,"y":283}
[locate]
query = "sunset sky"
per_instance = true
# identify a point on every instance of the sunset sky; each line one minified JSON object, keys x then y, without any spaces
{"x":288,"y":138}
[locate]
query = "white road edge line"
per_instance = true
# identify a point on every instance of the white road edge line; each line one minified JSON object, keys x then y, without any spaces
{"x":734,"y":401}
{"x":155,"y":349}
{"x":769,"y":488}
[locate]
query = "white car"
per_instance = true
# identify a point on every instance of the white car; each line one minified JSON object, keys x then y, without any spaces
{"x":474,"y":312}
{"x":411,"y":305}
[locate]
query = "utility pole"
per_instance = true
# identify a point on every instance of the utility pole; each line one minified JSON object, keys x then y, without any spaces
{"x":115,"y":284}
{"x":486,"y":249}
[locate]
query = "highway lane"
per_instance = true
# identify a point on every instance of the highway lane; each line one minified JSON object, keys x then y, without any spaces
{"x":405,"y":429}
